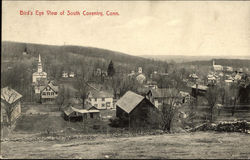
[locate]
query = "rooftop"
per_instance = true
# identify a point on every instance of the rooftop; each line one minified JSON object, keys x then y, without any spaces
{"x":129,"y":101}
{"x":10,"y":95}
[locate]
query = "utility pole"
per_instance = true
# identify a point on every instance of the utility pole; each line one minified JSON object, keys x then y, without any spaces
{"x":129,"y":123}
{"x":196,"y":94}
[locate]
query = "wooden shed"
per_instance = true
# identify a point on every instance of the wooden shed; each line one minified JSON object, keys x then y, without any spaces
{"x":137,"y":110}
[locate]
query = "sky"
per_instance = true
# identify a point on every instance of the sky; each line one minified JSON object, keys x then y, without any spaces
{"x":215,"y":28}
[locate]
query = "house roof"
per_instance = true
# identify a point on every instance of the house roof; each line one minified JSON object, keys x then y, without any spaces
{"x":71,"y":109}
{"x":184,"y":93}
{"x":101,"y":94}
{"x":10,"y":95}
{"x":55,"y":88}
{"x":161,"y":92}
{"x":51,"y":85}
{"x":40,"y":73}
{"x":201,"y":87}
{"x":129,"y":101}
{"x":140,"y":76}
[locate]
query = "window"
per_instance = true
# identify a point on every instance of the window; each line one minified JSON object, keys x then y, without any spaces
{"x":91,"y":115}
{"x":52,"y":93}
{"x":108,"y":104}
{"x":103,"y":105}
{"x":44,"y":93}
{"x":95,"y":99}
{"x":103,"y":99}
{"x":48,"y":93}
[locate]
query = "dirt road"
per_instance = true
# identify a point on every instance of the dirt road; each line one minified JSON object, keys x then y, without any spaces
{"x":181,"y":145}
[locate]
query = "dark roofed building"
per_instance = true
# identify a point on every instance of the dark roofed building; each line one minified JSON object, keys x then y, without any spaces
{"x":75,"y":112}
{"x":10,"y":98}
{"x":201,"y":90}
{"x":162,"y":95}
{"x":137,"y":110}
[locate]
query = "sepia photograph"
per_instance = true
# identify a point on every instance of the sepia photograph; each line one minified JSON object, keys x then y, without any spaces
{"x":125,"y":79}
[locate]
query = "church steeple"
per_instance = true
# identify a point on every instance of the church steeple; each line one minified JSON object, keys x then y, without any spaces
{"x":39,"y":68}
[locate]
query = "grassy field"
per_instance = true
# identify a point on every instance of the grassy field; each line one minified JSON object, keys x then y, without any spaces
{"x":182,"y":145}
{"x":104,"y":144}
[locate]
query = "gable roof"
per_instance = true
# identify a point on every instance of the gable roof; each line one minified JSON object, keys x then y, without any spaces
{"x":162,"y":92}
{"x":129,"y":101}
{"x":10,"y":95}
{"x":201,"y":87}
{"x":53,"y":87}
{"x":71,"y":109}
{"x":100,"y":94}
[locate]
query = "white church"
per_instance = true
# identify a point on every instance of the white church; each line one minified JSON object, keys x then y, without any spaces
{"x":217,"y":67}
{"x":39,"y":74}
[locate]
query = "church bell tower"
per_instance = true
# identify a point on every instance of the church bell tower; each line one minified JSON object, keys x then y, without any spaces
{"x":39,"y":68}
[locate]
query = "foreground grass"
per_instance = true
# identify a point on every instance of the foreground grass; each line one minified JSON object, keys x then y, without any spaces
{"x":181,"y":145}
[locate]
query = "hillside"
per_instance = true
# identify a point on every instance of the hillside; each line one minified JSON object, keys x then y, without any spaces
{"x":224,"y":62}
{"x":15,"y":48}
{"x":68,"y":54}
{"x":183,"y":58}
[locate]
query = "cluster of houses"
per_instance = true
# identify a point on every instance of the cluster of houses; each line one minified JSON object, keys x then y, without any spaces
{"x":139,"y":76}
{"x":129,"y":105}
{"x":219,"y":74}
{"x":68,"y":74}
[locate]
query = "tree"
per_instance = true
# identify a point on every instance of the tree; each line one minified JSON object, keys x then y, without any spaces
{"x":115,"y":83}
{"x":211,"y":96}
{"x":82,"y":87}
{"x":222,"y":93}
{"x":169,"y":110}
{"x":128,"y":84}
{"x":62,"y":97}
{"x":111,"y":69}
{"x":234,"y":94}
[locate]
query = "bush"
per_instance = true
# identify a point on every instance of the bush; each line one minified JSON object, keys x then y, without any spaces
{"x":118,"y":122}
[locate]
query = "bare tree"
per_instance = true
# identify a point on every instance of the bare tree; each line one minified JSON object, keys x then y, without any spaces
{"x":82,"y":86}
{"x":169,"y":109}
{"x":211,"y":96}
{"x":62,"y":97}
{"x":234,"y":94}
{"x":115,"y":83}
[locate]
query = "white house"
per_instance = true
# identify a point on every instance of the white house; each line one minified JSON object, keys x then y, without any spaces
{"x":49,"y":92}
{"x":72,"y":75}
{"x":141,"y":78}
{"x":229,"y":69}
{"x":100,"y":99}
{"x":65,"y":74}
{"x":39,"y":74}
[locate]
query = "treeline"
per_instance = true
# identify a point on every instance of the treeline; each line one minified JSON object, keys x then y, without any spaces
{"x":235,"y":63}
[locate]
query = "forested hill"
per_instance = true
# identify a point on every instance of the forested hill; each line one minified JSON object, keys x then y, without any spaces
{"x":224,"y":62}
{"x":73,"y":56}
{"x":15,"y":48}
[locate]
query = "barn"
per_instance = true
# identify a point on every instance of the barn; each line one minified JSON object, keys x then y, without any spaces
{"x":137,"y":110}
